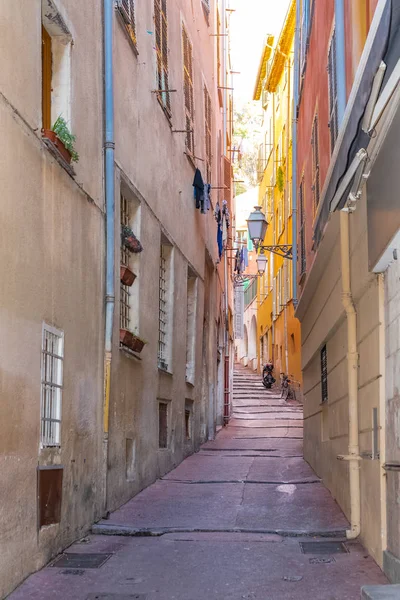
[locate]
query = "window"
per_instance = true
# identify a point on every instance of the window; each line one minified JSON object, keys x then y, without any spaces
{"x":125,"y":291}
{"x":188,"y":90}
{"x":280,"y":216}
{"x":165,"y":314}
{"x":127,"y":11}
{"x":302,"y":232}
{"x":274,"y":298}
{"x":191,"y":326}
{"x":188,"y":420}
{"x":52,"y":383}
{"x":161,"y":34}
{"x":56,"y":67}
{"x":129,"y":295}
{"x":208,"y":133}
{"x":315,"y":164}
{"x":332,"y":85}
{"x":206,"y":5}
{"x":163,"y":425}
{"x":324,"y":375}
{"x":49,"y":483}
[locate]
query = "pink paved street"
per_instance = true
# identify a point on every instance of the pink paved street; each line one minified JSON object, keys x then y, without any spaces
{"x":227,"y":523}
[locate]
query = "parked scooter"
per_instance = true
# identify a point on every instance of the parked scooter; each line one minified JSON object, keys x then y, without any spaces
{"x":268,"y":378}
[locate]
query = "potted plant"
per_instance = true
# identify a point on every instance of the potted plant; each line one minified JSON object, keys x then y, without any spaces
{"x":129,"y":240}
{"x":62,"y":139}
{"x":127,"y":276}
{"x":131,"y":340}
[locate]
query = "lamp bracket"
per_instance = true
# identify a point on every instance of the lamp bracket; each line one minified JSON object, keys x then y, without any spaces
{"x":284,"y":250}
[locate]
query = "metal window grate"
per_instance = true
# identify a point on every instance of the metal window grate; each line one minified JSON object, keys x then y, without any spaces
{"x":161,"y":35}
{"x":324,"y":375}
{"x":127,"y":10}
{"x":188,"y":90}
{"x":162,"y":312}
{"x":52,"y":382}
{"x":208,"y":133}
{"x":125,"y":304}
{"x":302,"y":233}
{"x":332,"y":83}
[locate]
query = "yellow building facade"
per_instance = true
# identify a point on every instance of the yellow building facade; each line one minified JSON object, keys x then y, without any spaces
{"x":278,"y":329}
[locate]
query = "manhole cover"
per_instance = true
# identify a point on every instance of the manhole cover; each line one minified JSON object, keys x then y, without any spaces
{"x":81,"y":561}
{"x":321,"y":561}
{"x":116,"y":597}
{"x":323,"y":548}
{"x":72,"y":572}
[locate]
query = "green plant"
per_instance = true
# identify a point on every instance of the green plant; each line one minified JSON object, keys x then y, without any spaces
{"x":61,"y":130}
{"x":279,"y":179}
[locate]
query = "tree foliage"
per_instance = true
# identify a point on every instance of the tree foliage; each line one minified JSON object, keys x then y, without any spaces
{"x":247,"y":128}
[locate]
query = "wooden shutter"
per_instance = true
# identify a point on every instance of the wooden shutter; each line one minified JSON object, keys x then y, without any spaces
{"x":302,"y":233}
{"x":227,"y":176}
{"x":127,"y":10}
{"x":324,"y":375}
{"x":188,"y":89}
{"x":332,"y":85}
{"x":46,"y":79}
{"x":208,"y":133}
{"x":161,"y":35}
{"x":315,"y":162}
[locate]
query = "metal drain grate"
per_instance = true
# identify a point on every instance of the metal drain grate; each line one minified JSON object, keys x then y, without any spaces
{"x":116,"y":597}
{"x":72,"y":572}
{"x":323,"y":548}
{"x":321,"y":561}
{"x":80,"y":561}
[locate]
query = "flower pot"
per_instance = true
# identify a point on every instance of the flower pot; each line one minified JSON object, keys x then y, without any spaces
{"x":137,"y":344}
{"x":50,"y":135}
{"x":131,"y":341}
{"x":126,"y":275}
{"x":130,"y":240}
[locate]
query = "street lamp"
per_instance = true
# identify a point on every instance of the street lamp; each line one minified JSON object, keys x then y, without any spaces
{"x":261,"y":266}
{"x":257,"y":225}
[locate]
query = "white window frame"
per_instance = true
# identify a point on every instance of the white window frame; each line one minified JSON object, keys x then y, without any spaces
{"x":51,"y":389}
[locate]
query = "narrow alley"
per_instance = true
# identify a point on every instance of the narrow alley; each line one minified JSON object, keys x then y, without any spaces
{"x":244,"y":518}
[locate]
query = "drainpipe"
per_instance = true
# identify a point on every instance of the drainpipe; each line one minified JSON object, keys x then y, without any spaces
{"x":294,"y":151}
{"x":382,"y":409}
{"x":352,"y":377}
{"x":109,"y":146}
{"x":340,"y":59}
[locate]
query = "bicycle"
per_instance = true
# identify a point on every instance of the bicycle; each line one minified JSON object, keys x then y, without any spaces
{"x":287,"y":391}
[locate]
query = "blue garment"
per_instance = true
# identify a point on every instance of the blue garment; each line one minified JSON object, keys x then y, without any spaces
{"x":245,"y":257}
{"x":250,"y":246}
{"x":219,"y":240}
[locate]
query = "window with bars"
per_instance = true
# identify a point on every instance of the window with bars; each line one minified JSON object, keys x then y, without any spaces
{"x":302,"y":232}
{"x":163,"y":425}
{"x":191,"y":312}
{"x":51,"y":387}
{"x":188,"y":90}
{"x":125,"y":291}
{"x":315,"y":164}
{"x":324,"y":375}
{"x":332,"y":88}
{"x":208,"y":133}
{"x":127,"y":11}
{"x":161,"y":35}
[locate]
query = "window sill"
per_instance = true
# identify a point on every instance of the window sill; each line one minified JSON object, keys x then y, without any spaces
{"x":129,"y":353}
{"x":189,"y":382}
{"x":58,"y":157}
{"x":165,"y":370}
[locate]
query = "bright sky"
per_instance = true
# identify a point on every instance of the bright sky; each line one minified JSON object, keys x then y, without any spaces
{"x":250,"y":23}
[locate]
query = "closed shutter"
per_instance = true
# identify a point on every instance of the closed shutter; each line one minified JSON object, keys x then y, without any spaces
{"x":315,"y":163}
{"x":161,"y":35}
{"x":208,"y":133}
{"x":127,"y":10}
{"x":332,"y":85}
{"x":302,"y":232}
{"x":227,"y":176}
{"x":324,"y":375}
{"x":188,"y":90}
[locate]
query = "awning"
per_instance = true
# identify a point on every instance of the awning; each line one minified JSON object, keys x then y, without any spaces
{"x":383,"y":43}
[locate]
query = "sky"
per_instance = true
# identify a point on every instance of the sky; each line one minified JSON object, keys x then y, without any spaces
{"x":250,"y":23}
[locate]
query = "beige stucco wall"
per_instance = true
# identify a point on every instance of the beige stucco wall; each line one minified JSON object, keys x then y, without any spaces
{"x":51,"y":270}
{"x":326,"y":426}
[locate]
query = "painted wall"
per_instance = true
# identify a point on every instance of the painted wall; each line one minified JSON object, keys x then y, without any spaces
{"x":51,"y":270}
{"x":154,"y":171}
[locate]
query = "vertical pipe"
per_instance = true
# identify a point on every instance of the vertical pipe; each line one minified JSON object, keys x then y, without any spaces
{"x":109,"y":146}
{"x":340,"y":58}
{"x":382,"y":410}
{"x":294,"y":151}
{"x":352,"y":380}
{"x":286,"y":263}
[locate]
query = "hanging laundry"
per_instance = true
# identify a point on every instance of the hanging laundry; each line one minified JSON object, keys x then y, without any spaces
{"x":237,"y":262}
{"x":219,"y":241}
{"x":217,"y":212}
{"x":224,"y":229}
{"x":245,"y":256}
{"x":225,"y":213}
{"x":207,"y":197}
{"x":198,"y":185}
